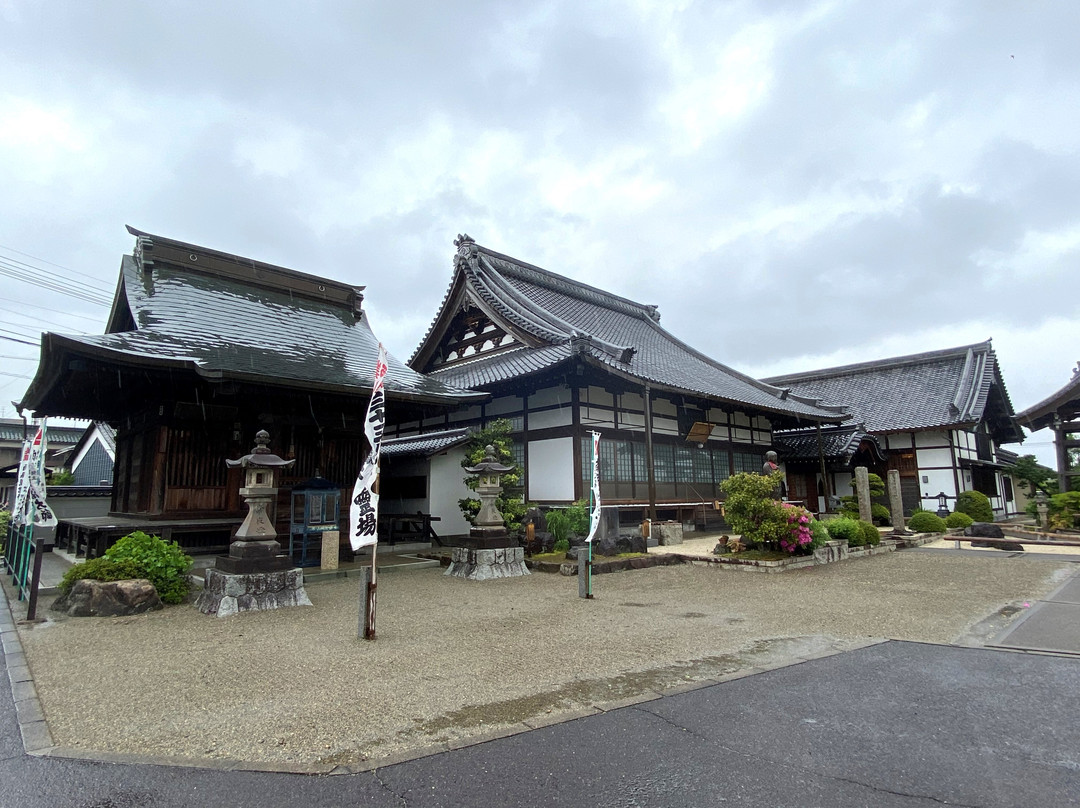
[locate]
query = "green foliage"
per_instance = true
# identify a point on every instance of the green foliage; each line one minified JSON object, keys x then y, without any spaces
{"x":976,"y":505}
{"x":578,"y":514}
{"x":62,"y":477}
{"x":5,"y":524}
{"x":510,"y":503}
{"x":880,"y":514}
{"x":844,"y":528}
{"x":1032,"y":477}
{"x":163,"y":563}
{"x":558,"y":525}
{"x":820,"y":534}
{"x":100,"y":569}
{"x":752,"y":511}
{"x":1064,"y":509}
{"x":561,"y":546}
{"x":958,"y":519}
{"x":926,"y":522}
{"x":870,"y":534}
{"x":877,"y":485}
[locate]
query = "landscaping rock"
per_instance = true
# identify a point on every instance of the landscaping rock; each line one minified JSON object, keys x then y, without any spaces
{"x":108,"y":598}
{"x":984,"y":530}
{"x":611,"y":546}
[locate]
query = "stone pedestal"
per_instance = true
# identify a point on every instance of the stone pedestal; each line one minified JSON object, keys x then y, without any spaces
{"x":226,"y":594}
{"x":668,"y":533}
{"x":483,"y":565}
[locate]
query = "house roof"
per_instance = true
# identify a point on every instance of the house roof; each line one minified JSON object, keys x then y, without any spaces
{"x":1042,"y":414}
{"x":179,"y":306}
{"x":553,"y":320}
{"x":426,"y":445}
{"x":836,"y":442}
{"x":11,"y":429}
{"x":956,"y":387}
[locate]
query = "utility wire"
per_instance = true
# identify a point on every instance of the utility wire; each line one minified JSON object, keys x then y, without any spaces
{"x":20,"y":341}
{"x":51,"y":310}
{"x":27,"y":273}
{"x":50,"y":263}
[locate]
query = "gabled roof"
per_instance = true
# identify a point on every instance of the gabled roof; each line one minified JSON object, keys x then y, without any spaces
{"x":1042,"y":414}
{"x":956,"y":387}
{"x":426,"y":445}
{"x":183,"y":307}
{"x":11,"y":429}
{"x":552,"y":320}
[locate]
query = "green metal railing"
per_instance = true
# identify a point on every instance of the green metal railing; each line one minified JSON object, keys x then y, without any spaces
{"x":22,"y":558}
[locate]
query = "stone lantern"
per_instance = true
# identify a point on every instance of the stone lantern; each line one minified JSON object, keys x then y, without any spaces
{"x":254,"y":576}
{"x":489,"y":552}
{"x":1042,"y":508}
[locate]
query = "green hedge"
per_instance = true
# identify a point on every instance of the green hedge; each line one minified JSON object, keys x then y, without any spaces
{"x":976,"y":505}
{"x":926,"y":522}
{"x":958,"y":519}
{"x":138,"y":555}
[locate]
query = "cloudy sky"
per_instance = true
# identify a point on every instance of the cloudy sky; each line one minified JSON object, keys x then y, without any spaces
{"x":796,"y":184}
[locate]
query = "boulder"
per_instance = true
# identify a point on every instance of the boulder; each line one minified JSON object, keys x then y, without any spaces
{"x":984,"y":530}
{"x":614,"y":545}
{"x":108,"y":598}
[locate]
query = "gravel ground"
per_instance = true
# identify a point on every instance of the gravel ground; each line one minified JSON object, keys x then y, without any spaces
{"x":458,"y":658}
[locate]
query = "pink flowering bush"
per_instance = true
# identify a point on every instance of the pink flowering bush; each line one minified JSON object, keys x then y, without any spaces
{"x":799,"y":537}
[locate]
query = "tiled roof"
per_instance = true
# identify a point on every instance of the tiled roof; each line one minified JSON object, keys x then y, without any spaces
{"x":922,"y":391}
{"x":425,"y":445}
{"x":228,"y":317}
{"x":11,"y":429}
{"x":1042,"y":414}
{"x":556,"y":318}
{"x":803,"y":444}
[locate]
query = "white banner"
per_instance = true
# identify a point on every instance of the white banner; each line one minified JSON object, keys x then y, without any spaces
{"x":364,"y":510}
{"x":594,"y":520}
{"x":30,"y":504}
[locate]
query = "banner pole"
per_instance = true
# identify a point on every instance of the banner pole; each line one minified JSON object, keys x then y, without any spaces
{"x":372,"y":583}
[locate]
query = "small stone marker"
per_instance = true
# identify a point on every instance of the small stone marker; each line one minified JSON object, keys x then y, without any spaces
{"x":583,"y":572}
{"x":862,"y":489}
{"x":896,"y":501}
{"x":329,"y":556}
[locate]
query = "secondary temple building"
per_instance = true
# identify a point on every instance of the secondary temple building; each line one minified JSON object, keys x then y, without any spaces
{"x":561,"y":359}
{"x":938,"y":418}
{"x":202,"y":350}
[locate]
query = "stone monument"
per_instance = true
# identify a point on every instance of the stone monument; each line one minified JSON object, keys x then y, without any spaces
{"x":896,"y":504}
{"x":254,"y":576}
{"x":862,"y":490}
{"x":489,"y":552}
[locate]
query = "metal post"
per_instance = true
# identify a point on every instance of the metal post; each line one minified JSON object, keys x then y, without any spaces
{"x":367,"y":595}
{"x":35,"y":580}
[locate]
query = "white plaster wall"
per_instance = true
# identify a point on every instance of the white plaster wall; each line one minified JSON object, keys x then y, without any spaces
{"x":550,"y":418}
{"x":550,"y":396}
{"x":931,"y":439}
{"x":937,"y":481}
{"x":663,"y":406}
{"x":446,"y":486}
{"x":665,"y":426}
{"x":501,"y":406}
{"x":598,"y":395}
{"x":551,"y":470}
{"x":899,"y":441}
{"x":929,"y":458}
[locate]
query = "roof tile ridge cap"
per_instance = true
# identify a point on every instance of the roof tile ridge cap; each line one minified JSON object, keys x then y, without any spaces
{"x":873,"y":364}
{"x":765,"y":387}
{"x":483,"y":286}
{"x":583,"y":291}
{"x":491,"y":357}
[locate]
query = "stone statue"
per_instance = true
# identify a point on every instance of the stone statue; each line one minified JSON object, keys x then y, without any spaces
{"x":770,"y":466}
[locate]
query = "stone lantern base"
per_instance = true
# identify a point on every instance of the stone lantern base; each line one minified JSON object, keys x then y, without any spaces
{"x":227,"y":593}
{"x":483,"y":565}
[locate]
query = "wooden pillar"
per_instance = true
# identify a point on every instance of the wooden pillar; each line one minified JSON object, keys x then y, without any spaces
{"x":649,"y":452}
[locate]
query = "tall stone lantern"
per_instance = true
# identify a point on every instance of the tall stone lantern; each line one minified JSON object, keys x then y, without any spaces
{"x":489,"y":552}
{"x":254,"y":576}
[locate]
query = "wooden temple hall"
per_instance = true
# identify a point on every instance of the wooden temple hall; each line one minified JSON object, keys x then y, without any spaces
{"x":202,"y":349}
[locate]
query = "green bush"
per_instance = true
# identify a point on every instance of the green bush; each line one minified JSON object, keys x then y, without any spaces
{"x":163,"y":563}
{"x":880,"y":514}
{"x":926,"y":522}
{"x":870,"y":533}
{"x":958,"y":519}
{"x":820,"y":534}
{"x":100,"y":569}
{"x":844,"y":528}
{"x":561,"y":546}
{"x":752,"y":510}
{"x":1063,"y":510}
{"x":558,"y":525}
{"x":976,"y":505}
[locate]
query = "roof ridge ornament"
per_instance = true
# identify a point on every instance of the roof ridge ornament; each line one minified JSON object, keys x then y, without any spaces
{"x":467,"y":251}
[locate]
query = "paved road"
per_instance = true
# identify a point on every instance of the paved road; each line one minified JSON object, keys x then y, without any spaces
{"x":897,"y":724}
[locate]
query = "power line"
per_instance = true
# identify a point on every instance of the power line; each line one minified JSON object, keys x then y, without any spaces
{"x":50,"y":263}
{"x":17,"y":270}
{"x":20,"y":341}
{"x":26,"y":358}
{"x":51,"y":310}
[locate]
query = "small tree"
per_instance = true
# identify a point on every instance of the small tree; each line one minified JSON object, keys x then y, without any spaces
{"x":510,"y":503}
{"x":1032,"y":477}
{"x":751,"y":509}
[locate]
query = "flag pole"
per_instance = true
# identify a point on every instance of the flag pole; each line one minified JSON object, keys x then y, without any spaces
{"x":364,"y":509}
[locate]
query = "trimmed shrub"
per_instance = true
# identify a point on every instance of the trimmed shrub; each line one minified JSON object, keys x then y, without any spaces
{"x":163,"y":563}
{"x":976,"y":505}
{"x":880,"y":514}
{"x":844,"y":528}
{"x":561,"y":546}
{"x":100,"y":569}
{"x":926,"y":522}
{"x":752,"y":510}
{"x":870,"y":533}
{"x":958,"y":519}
